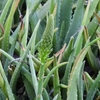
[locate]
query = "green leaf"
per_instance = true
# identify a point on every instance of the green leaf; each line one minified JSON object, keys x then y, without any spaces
{"x":79,"y":42}
{"x":76,"y":22}
{"x":74,"y":76}
{"x":25,"y":36}
{"x":66,"y":14}
{"x":29,"y":89}
{"x":68,"y":49}
{"x":55,"y":98}
{"x":63,"y":20}
{"x":2,"y":96}
{"x":51,"y":72}
{"x":92,"y":26}
{"x":56,"y":81}
{"x":90,"y":56}
{"x":33,"y":74}
{"x":75,"y":51}
{"x":19,"y":66}
{"x":52,"y":6}
{"x":6,"y":54}
{"x":80,"y":83}
{"x":26,"y":74}
{"x":7,"y":91}
{"x":88,"y":81}
{"x":11,"y":52}
{"x":2,"y":4}
{"x":5,"y":42}
{"x":42,"y":12}
{"x":5,"y":11}
{"x":93,"y":88}
{"x":45,"y":95}
{"x":93,"y":5}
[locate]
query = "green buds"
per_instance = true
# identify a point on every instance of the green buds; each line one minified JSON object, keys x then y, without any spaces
{"x":45,"y":46}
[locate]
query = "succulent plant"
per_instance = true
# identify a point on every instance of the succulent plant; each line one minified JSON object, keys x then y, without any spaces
{"x":49,"y":49}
